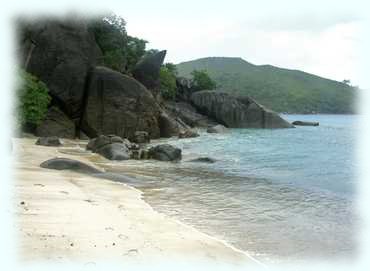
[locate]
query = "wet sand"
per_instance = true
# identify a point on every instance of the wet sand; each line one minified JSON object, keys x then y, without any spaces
{"x":62,"y":215}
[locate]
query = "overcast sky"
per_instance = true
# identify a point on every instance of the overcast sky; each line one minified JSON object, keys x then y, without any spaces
{"x":320,"y":38}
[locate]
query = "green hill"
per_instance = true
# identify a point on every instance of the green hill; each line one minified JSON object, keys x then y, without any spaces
{"x":280,"y":89}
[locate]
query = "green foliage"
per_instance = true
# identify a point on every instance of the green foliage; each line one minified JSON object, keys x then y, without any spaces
{"x":202,"y":81}
{"x":32,"y":100}
{"x":110,"y":35}
{"x":282,"y":90}
{"x":135,"y":51}
{"x":172,"y":68}
{"x":168,"y":83}
{"x":120,"y":51}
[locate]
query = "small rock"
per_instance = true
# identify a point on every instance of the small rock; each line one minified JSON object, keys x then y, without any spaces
{"x":305,"y":123}
{"x":165,"y":152}
{"x":218,"y":129}
{"x":51,"y":141}
{"x":203,"y":160}
{"x":188,"y":134}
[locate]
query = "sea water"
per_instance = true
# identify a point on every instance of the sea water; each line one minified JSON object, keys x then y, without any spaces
{"x":279,"y":194}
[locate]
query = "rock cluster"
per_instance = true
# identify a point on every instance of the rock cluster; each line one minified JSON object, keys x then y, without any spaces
{"x":89,"y":100}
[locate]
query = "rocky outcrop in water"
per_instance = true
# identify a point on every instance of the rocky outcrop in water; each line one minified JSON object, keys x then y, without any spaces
{"x":236,"y":112}
{"x":305,"y":123}
{"x":165,"y":152}
{"x":188,"y":134}
{"x":111,"y":147}
{"x":217,"y":129}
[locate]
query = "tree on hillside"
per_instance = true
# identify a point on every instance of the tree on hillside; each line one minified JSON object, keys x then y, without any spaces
{"x":346,"y":81}
{"x":202,"y":81}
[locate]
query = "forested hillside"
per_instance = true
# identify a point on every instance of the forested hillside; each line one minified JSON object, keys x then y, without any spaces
{"x":280,"y":89}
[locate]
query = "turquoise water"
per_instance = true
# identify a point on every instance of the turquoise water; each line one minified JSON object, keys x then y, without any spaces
{"x":281,"y":195}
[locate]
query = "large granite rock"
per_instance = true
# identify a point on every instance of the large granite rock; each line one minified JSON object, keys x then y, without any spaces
{"x":56,"y":123}
{"x":60,"y":53}
{"x":147,"y":70}
{"x":165,"y":152}
{"x":118,"y":104}
{"x":236,"y":112}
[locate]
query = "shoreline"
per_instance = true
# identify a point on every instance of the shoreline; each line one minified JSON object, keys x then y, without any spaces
{"x":158,"y":236}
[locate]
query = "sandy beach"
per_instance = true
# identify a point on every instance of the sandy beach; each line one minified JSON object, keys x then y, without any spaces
{"x":62,"y":215}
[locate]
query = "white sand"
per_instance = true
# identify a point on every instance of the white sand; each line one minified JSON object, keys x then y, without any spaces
{"x":70,"y":216}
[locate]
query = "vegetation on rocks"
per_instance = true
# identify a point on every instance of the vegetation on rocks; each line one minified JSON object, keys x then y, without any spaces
{"x":32,"y":100}
{"x":167,"y":78}
{"x":202,"y":81}
{"x":120,"y":51}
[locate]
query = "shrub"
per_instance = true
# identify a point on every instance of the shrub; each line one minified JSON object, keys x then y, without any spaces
{"x":168,"y":83}
{"x":202,"y":81}
{"x":32,"y":100}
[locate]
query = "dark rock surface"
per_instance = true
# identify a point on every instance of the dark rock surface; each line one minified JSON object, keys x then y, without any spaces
{"x":115,"y":151}
{"x":69,"y":164}
{"x":168,"y":126}
{"x":118,"y":104}
{"x":165,"y":152}
{"x":185,"y":88}
{"x":60,"y":53}
{"x":188,"y":114}
{"x":51,"y":141}
{"x":147,"y":70}
{"x":111,"y":147}
{"x":305,"y":123}
{"x":56,"y":123}
{"x":236,"y":112}
{"x":141,"y":137}
{"x":217,"y":129}
{"x":203,"y":160}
